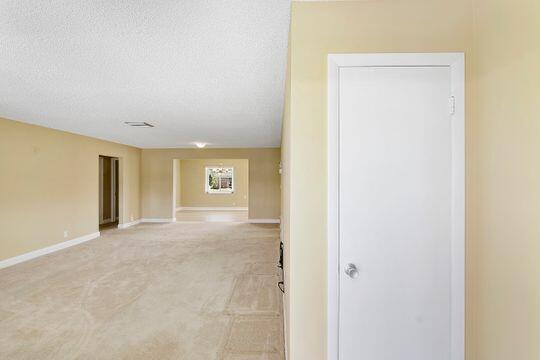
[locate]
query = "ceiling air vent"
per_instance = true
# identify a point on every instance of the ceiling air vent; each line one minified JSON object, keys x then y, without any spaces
{"x":138,"y":124}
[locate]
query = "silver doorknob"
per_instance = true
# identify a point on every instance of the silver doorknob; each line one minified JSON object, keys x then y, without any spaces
{"x":352,"y":271}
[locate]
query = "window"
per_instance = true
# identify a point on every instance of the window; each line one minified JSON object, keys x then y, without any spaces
{"x":219,"y":180}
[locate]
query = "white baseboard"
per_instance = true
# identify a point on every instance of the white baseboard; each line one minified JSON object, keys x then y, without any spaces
{"x":47,"y":250}
{"x":216,"y":208}
{"x":263,"y":221}
{"x":126,"y":225}
{"x":157,"y":220}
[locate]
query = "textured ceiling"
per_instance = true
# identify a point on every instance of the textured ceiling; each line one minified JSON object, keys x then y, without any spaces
{"x":200,"y":71}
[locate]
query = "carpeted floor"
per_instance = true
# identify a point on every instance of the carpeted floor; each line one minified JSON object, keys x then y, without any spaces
{"x":155,"y":291}
{"x":212,"y":215}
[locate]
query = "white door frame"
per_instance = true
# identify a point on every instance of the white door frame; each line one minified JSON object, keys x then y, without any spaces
{"x":456,"y":63}
{"x":100,"y":176}
{"x":113,"y":189}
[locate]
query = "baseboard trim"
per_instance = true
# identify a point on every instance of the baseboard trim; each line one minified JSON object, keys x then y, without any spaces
{"x":126,"y":225}
{"x":157,"y":220}
{"x":47,"y":250}
{"x":216,"y":208}
{"x":263,"y":221}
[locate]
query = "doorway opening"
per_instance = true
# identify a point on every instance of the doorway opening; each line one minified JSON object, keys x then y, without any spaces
{"x":109,"y":186}
{"x":211,"y":190}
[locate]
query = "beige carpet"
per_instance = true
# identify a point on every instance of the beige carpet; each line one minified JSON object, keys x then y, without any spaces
{"x":168,"y":291}
{"x":212,"y":215}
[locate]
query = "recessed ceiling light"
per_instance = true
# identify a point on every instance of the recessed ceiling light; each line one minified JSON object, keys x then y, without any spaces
{"x":138,"y":124}
{"x":200,"y":145}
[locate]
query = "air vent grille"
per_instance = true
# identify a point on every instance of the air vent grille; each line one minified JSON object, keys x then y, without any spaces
{"x":138,"y":124}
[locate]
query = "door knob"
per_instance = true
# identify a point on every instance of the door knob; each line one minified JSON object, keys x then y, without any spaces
{"x":352,"y":271}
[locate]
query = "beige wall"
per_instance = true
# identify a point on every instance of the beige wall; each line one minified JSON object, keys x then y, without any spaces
{"x":178,"y":188}
{"x":193,"y":177}
{"x":504,"y":209}
{"x":285,"y":196}
{"x":157,"y":179}
{"x":503,"y":146}
{"x":49,"y":182}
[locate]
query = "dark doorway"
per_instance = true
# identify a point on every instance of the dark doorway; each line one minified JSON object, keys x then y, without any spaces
{"x":108,"y":192}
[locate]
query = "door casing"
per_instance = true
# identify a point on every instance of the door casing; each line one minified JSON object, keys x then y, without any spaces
{"x":456,"y":63}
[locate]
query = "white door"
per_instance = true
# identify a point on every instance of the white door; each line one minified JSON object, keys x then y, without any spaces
{"x":395,"y":213}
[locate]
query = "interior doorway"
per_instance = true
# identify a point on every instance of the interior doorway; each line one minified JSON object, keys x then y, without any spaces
{"x":211,"y":190}
{"x":109,"y":211}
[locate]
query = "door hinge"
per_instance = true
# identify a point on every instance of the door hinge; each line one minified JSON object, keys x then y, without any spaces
{"x":452,"y":105}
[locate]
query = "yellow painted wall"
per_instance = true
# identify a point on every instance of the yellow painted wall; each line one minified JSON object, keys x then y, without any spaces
{"x":499,"y":38}
{"x":193,"y":180}
{"x":505,"y":219}
{"x":317,"y":29}
{"x":178,"y":187}
{"x":264,"y":179}
{"x":49,"y":182}
{"x":285,"y":225}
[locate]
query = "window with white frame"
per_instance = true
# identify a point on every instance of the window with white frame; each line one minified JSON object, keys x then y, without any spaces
{"x":219,"y":180}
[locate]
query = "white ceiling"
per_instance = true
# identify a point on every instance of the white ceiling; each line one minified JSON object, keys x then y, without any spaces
{"x":200,"y":71}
